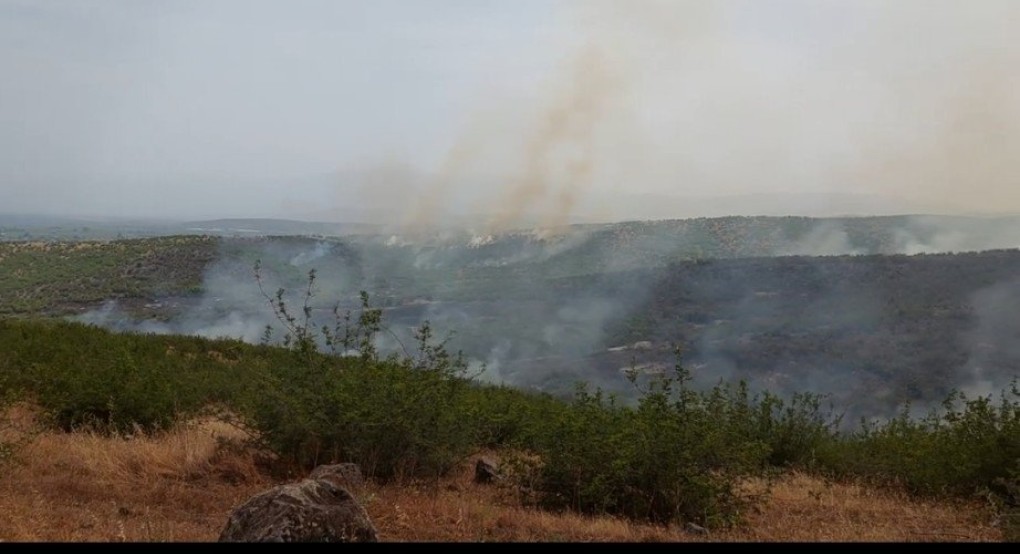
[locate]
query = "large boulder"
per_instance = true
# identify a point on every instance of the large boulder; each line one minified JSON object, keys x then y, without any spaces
{"x":317,"y":509}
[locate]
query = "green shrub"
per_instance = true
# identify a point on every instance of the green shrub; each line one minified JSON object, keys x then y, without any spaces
{"x":679,"y":455}
{"x":504,"y":415}
{"x":83,"y":375}
{"x":115,"y":391}
{"x":396,"y":416}
{"x":969,"y":446}
{"x":797,"y":431}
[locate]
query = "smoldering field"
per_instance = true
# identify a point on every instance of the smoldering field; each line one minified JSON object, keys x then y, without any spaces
{"x":872,"y":312}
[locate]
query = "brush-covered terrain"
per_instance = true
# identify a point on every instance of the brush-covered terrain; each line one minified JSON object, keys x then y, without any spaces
{"x":728,"y":372}
{"x":875,"y":312}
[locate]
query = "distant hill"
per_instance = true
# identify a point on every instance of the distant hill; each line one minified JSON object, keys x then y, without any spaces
{"x":787,"y":302}
{"x":277,"y":227}
{"x":21,"y":227}
{"x":673,"y":206}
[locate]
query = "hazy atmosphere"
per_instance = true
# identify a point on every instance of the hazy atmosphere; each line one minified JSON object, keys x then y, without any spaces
{"x":509,"y":271}
{"x":508,"y":112}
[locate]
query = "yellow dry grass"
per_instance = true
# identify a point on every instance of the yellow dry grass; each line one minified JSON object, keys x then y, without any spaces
{"x":83,"y":486}
{"x":805,"y":508}
{"x":799,"y":508}
{"x":181,"y":485}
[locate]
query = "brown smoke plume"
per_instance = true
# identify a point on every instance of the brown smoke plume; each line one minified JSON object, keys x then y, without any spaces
{"x":913,"y":99}
{"x":558,"y":157}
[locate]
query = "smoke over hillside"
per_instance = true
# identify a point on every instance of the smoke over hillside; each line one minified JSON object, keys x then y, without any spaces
{"x":789,"y":304}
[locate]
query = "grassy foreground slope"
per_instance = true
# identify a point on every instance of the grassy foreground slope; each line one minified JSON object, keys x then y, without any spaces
{"x":180,"y":485}
{"x":678,"y":456}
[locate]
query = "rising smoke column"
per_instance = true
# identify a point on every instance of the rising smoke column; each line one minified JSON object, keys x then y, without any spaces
{"x":559,"y":155}
{"x":912,"y":100}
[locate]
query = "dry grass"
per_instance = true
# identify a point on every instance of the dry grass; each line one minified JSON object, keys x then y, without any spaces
{"x":181,"y":485}
{"x":805,"y":508}
{"x":458,"y":510}
{"x":800,"y":508}
{"x":175,"y":486}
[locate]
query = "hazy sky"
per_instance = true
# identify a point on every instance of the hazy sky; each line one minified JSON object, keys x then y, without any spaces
{"x":509,"y":108}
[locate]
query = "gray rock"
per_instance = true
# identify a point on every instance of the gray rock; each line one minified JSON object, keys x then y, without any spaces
{"x":486,"y":471}
{"x":313,"y":510}
{"x":695,"y":529}
{"x":347,"y":476}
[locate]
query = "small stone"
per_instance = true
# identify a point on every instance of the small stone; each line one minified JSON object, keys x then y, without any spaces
{"x":486,"y":471}
{"x":695,"y":529}
{"x":346,"y":475}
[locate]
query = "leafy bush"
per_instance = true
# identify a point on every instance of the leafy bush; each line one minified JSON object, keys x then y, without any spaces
{"x":969,"y":446}
{"x":797,"y":431}
{"x":82,"y":375}
{"x":396,"y":416}
{"x":678,"y":455}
